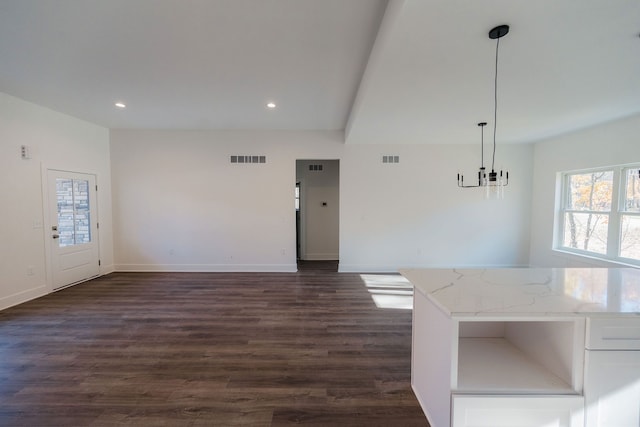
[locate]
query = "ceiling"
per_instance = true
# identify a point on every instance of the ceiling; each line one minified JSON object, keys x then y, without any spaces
{"x":406,"y":71}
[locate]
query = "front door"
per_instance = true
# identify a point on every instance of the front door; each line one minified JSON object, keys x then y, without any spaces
{"x":74,"y":227}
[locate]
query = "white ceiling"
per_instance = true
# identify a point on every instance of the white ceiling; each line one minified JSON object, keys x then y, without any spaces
{"x":421,"y":74}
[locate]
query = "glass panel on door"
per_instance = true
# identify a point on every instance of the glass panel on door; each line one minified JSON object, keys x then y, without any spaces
{"x":74,"y":220}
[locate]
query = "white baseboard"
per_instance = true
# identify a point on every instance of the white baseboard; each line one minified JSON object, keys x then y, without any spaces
{"x":371,"y":268}
{"x":209,"y":268}
{"x":24,"y":296}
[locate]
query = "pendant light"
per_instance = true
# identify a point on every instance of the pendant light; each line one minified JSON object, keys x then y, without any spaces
{"x":494,"y":182}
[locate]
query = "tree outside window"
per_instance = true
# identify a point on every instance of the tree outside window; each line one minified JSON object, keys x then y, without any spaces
{"x":587,"y":211}
{"x":601,"y":213}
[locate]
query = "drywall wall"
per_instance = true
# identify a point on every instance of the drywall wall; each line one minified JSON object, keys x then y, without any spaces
{"x":319,"y":208}
{"x":412,"y":214}
{"x":614,"y":143}
{"x":180,"y":204}
{"x":55,"y":141}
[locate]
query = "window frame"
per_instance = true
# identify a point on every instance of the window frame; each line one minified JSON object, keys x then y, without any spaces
{"x":615,"y":214}
{"x":622,"y":208}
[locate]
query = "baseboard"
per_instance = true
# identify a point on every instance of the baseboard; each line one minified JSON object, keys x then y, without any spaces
{"x":209,"y":268}
{"x":23,"y":296}
{"x":370,"y":268}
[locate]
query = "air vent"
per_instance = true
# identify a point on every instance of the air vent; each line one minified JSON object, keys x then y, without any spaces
{"x":390,"y":159}
{"x":248,"y":159}
{"x":315,"y":168}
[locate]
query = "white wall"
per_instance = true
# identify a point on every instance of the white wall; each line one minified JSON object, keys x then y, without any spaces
{"x":412,"y":214}
{"x":55,"y":141}
{"x":610,"y":144}
{"x":179,"y":204}
{"x":320,"y":209}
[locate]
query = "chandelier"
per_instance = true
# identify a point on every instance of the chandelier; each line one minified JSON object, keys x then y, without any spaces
{"x":494,"y":182}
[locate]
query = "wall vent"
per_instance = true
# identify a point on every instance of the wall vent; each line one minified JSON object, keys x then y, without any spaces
{"x":248,"y":159}
{"x":390,"y":159}
{"x":315,"y":168}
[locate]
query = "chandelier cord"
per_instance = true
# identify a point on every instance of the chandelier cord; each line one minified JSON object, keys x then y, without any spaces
{"x":482,"y":145}
{"x":495,"y":106}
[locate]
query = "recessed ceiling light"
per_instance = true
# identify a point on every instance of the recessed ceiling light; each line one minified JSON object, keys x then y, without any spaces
{"x":271,"y":105}
{"x":120,"y":105}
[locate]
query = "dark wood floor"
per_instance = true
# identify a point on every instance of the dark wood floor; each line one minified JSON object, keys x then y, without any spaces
{"x":208,"y":349}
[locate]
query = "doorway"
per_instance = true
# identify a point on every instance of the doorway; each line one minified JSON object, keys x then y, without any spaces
{"x":317,"y":210}
{"x":73,"y":227}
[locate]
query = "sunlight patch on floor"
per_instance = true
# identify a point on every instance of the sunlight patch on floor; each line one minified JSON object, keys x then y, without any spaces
{"x":389,"y":290}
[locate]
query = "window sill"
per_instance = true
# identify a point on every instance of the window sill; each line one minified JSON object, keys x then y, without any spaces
{"x":593,"y":259}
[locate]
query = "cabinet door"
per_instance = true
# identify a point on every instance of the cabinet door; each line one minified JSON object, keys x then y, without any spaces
{"x":517,"y":411}
{"x":612,"y":389}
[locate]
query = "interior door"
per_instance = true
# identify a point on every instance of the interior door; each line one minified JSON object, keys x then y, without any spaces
{"x":74,"y":227}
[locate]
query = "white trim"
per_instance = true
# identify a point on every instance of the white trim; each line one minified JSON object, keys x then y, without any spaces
{"x":24,"y":296}
{"x":592,"y":258}
{"x":209,"y":268}
{"x":47,"y":220}
{"x":614,"y":215}
{"x":369,"y":268}
{"x":302,"y":198}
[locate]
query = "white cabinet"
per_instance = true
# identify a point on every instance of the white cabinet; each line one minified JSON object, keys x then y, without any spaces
{"x":613,"y":333}
{"x":485,"y":371}
{"x":612,"y":377}
{"x":431,"y":356}
{"x":525,"y":373}
{"x":527,"y":347}
{"x":521,"y":411}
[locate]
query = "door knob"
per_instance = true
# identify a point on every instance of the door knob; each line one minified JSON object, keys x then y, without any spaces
{"x":56,"y":236}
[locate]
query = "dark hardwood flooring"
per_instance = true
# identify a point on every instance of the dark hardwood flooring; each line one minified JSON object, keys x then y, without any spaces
{"x":208,"y":349}
{"x":310,"y":266}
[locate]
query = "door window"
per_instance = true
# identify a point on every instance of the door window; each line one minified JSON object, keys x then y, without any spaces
{"x":74,"y":218}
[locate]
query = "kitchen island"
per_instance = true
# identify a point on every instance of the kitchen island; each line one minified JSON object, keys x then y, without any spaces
{"x":527,"y":346}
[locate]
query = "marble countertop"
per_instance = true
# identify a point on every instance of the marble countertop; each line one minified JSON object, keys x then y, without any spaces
{"x":530,"y":291}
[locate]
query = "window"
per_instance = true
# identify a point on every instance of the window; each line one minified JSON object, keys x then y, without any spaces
{"x":73,"y":211}
{"x":630,"y":215}
{"x":600,"y":213}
